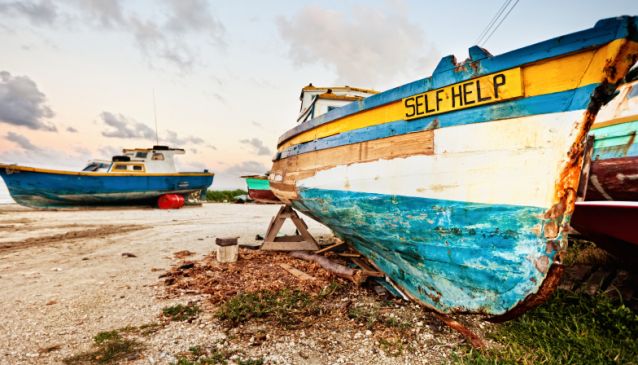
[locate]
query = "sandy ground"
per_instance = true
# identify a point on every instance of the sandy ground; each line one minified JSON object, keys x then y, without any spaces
{"x":63,"y":277}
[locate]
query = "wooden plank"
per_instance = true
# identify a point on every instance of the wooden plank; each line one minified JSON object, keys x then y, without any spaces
{"x":297,"y":273}
{"x":325,"y":249}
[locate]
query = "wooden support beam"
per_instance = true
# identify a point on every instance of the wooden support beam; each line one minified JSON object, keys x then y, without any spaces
{"x":299,"y":242}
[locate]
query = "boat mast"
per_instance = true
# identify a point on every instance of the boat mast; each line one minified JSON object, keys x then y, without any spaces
{"x":155,"y":116}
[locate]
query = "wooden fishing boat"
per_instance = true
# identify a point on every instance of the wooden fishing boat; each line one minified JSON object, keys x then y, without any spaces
{"x":614,"y":167}
{"x":137,"y":176}
{"x":259,"y":189}
{"x":459,"y":186}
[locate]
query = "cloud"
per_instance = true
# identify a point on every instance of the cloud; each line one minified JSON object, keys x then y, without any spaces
{"x":246,"y":168}
{"x":173,"y":139}
{"x":106,"y":152}
{"x":174,"y":32}
{"x":257,"y":145}
{"x":43,"y":12}
{"x":21,"y":141}
{"x":23,"y":104}
{"x":372,"y":45}
{"x":71,"y":130}
{"x":123,"y":127}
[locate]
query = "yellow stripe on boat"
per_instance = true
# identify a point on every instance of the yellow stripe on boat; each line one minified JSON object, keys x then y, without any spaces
{"x":544,"y":77}
{"x":89,"y":173}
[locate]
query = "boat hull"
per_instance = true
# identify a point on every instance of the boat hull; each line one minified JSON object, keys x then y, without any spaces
{"x":259,"y":190}
{"x":611,"y":225}
{"x":38,"y":189}
{"x":465,"y":210}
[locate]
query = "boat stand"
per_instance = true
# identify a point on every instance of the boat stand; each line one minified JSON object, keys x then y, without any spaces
{"x":303,"y":241}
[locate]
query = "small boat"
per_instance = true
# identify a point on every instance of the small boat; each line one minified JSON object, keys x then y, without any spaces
{"x":259,"y":189}
{"x":614,"y":167}
{"x":138,"y":176}
{"x":460,"y":186}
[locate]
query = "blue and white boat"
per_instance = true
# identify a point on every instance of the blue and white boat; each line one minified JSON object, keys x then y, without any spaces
{"x":138,"y":176}
{"x":460,"y":186}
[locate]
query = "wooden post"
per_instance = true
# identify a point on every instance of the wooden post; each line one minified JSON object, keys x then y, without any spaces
{"x":299,"y":242}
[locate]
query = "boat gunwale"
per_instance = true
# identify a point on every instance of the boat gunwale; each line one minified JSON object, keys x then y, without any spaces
{"x":604,"y":31}
{"x":99,"y":174}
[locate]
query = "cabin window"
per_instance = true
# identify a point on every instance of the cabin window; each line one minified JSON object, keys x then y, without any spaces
{"x":633,"y":93}
{"x":91,"y":167}
{"x":158,"y":156}
{"x":120,"y":167}
{"x":331,"y":107}
{"x":137,"y":168}
{"x":141,"y":154}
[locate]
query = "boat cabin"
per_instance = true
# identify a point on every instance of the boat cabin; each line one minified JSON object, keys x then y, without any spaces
{"x":316,"y":100}
{"x":158,"y":159}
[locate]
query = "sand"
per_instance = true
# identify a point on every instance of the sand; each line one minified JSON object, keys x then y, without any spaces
{"x":64,"y":278}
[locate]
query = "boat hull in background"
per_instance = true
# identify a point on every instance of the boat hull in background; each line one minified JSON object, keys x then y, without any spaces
{"x":40,"y":188}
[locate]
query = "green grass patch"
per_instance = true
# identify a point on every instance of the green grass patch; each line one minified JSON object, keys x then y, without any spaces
{"x":108,"y":347}
{"x":286,"y":307}
{"x":568,"y":329}
{"x":181,"y":312}
{"x":371,"y":316}
{"x":199,"y":355}
{"x":223,"y":196}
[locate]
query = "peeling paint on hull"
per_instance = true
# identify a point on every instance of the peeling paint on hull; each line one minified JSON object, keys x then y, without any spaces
{"x":455,"y":256}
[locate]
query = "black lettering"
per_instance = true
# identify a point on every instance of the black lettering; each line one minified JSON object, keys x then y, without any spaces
{"x":419,"y":111}
{"x":499,"y":80}
{"x":467,"y":92}
{"x":409,"y":103}
{"x":455,"y":95}
{"x":427,"y":107}
{"x":438,"y":99}
{"x":478,"y":92}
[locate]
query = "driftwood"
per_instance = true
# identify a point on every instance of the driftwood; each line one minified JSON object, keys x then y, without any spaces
{"x":296,"y":273}
{"x":356,"y":276}
{"x":475,"y":340}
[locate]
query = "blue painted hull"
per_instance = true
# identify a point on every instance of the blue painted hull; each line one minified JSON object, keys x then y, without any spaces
{"x":45,"y":190}
{"x":441,"y":252}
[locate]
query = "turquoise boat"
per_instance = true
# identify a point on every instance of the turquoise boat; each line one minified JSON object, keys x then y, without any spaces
{"x":138,"y":176}
{"x":259,"y":189}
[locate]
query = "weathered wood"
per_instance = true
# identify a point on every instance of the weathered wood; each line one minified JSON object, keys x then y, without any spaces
{"x":356,"y":276}
{"x":584,"y":178}
{"x":297,"y":273}
{"x":475,"y":340}
{"x":331,"y":247}
{"x":299,"y":242}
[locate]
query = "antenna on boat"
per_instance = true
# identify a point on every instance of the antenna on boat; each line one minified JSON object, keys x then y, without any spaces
{"x":155,"y":116}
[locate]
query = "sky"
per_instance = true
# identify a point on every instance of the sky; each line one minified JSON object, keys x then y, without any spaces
{"x":79,"y":78}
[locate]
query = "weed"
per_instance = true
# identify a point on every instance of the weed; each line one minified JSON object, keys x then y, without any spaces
{"x":201,"y":356}
{"x":181,"y":312}
{"x":368,"y":315}
{"x":371,"y":316}
{"x":568,"y":329}
{"x":106,"y":337}
{"x":392,"y":347}
{"x":109,"y":347}
{"x":284,"y":306}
